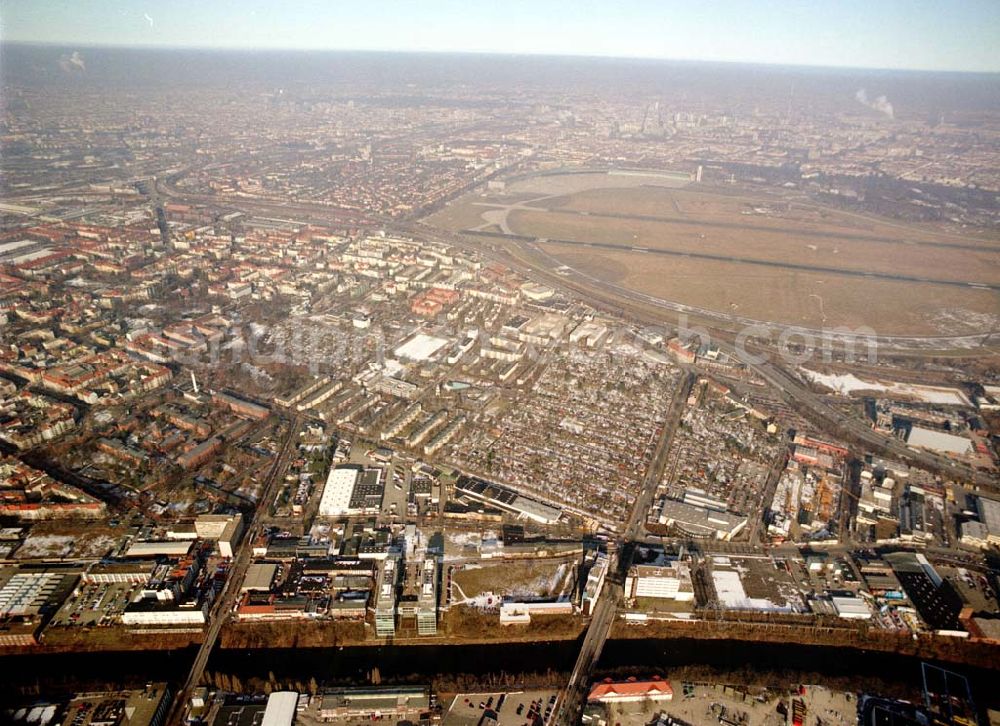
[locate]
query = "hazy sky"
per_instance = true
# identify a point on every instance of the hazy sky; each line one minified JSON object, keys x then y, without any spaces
{"x":927,"y":34}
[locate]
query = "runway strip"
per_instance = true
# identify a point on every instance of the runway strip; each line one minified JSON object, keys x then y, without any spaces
{"x":739,"y":260}
{"x":847,"y":236}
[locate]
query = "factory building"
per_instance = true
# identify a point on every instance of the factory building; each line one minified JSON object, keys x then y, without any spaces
{"x":240,"y":406}
{"x":503,"y":498}
{"x":259,"y":578}
{"x":352,"y":490}
{"x":699,"y":521}
{"x":280,"y":709}
{"x":519,"y":613}
{"x":26,"y":594}
{"x":668,"y":582}
{"x":158,"y":548}
{"x":224,"y":529}
{"x":136,"y":572}
{"x":939,"y":441}
{"x":851,"y":607}
{"x":150,"y":611}
{"x":394,"y":703}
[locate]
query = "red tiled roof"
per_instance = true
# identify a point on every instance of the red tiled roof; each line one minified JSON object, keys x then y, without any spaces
{"x":629,"y":688}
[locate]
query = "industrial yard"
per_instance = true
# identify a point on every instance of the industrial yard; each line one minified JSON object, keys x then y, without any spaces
{"x":701,"y":704}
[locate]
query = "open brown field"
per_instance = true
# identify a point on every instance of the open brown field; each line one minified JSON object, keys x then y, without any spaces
{"x":789,"y":297}
{"x":942,"y":263}
{"x":526,"y":578}
{"x":769,"y":235}
{"x":566,"y":184}
{"x":767,"y":211}
{"x":462,"y":214}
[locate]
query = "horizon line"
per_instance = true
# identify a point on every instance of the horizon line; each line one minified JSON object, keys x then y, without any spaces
{"x":493,"y":53}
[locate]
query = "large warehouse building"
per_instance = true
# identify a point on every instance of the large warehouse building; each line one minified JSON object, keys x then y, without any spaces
{"x":989,"y":515}
{"x":700,"y":521}
{"x":351,"y":490}
{"x":280,"y":710}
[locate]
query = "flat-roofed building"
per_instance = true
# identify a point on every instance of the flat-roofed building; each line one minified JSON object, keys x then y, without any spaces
{"x":26,"y":594}
{"x":211,"y":526}
{"x":280,"y":710}
{"x":699,"y":521}
{"x":151,"y":611}
{"x":506,"y":499}
{"x":420,"y":595}
{"x":851,"y":608}
{"x":939,"y":441}
{"x":146,"y":707}
{"x":392,"y":702}
{"x":385,"y":597}
{"x":159,"y":548}
{"x":668,"y":582}
{"x":989,"y":515}
{"x":515,"y":613}
{"x":352,"y":490}
{"x":975,"y":534}
{"x":136,"y":572}
{"x":594,"y":584}
{"x":260,"y":576}
{"x":225,"y":529}
{"x":631,"y":691}
{"x":336,"y":497}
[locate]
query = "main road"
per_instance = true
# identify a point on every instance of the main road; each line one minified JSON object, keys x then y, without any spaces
{"x":603,"y":614}
{"x":226,"y":600}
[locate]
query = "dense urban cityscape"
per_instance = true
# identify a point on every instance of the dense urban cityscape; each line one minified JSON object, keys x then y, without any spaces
{"x":324,"y":378}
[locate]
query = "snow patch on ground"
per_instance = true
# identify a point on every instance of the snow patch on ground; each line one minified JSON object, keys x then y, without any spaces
{"x":847,"y":383}
{"x":64,"y":545}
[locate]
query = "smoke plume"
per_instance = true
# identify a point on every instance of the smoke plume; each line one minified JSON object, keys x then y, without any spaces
{"x":880,"y":104}
{"x":72,"y":63}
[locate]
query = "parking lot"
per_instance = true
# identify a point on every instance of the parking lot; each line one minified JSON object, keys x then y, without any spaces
{"x":515,"y":708}
{"x":398,"y":477}
{"x":99,"y":604}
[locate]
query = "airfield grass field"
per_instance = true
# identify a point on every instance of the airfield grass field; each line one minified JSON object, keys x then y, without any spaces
{"x":771,"y":228}
{"x":765,"y":244}
{"x":787,"y":296}
{"x":774,"y":210}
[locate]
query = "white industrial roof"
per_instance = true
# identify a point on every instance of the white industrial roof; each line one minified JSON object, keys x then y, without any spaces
{"x":420,"y":347}
{"x":336,"y":497}
{"x":730,"y":592}
{"x":852,"y":607}
{"x":938,"y":441}
{"x":280,"y":710}
{"x":536,"y":510}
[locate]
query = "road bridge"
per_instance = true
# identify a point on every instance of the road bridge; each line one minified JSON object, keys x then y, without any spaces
{"x":226,"y":600}
{"x":606,"y":608}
